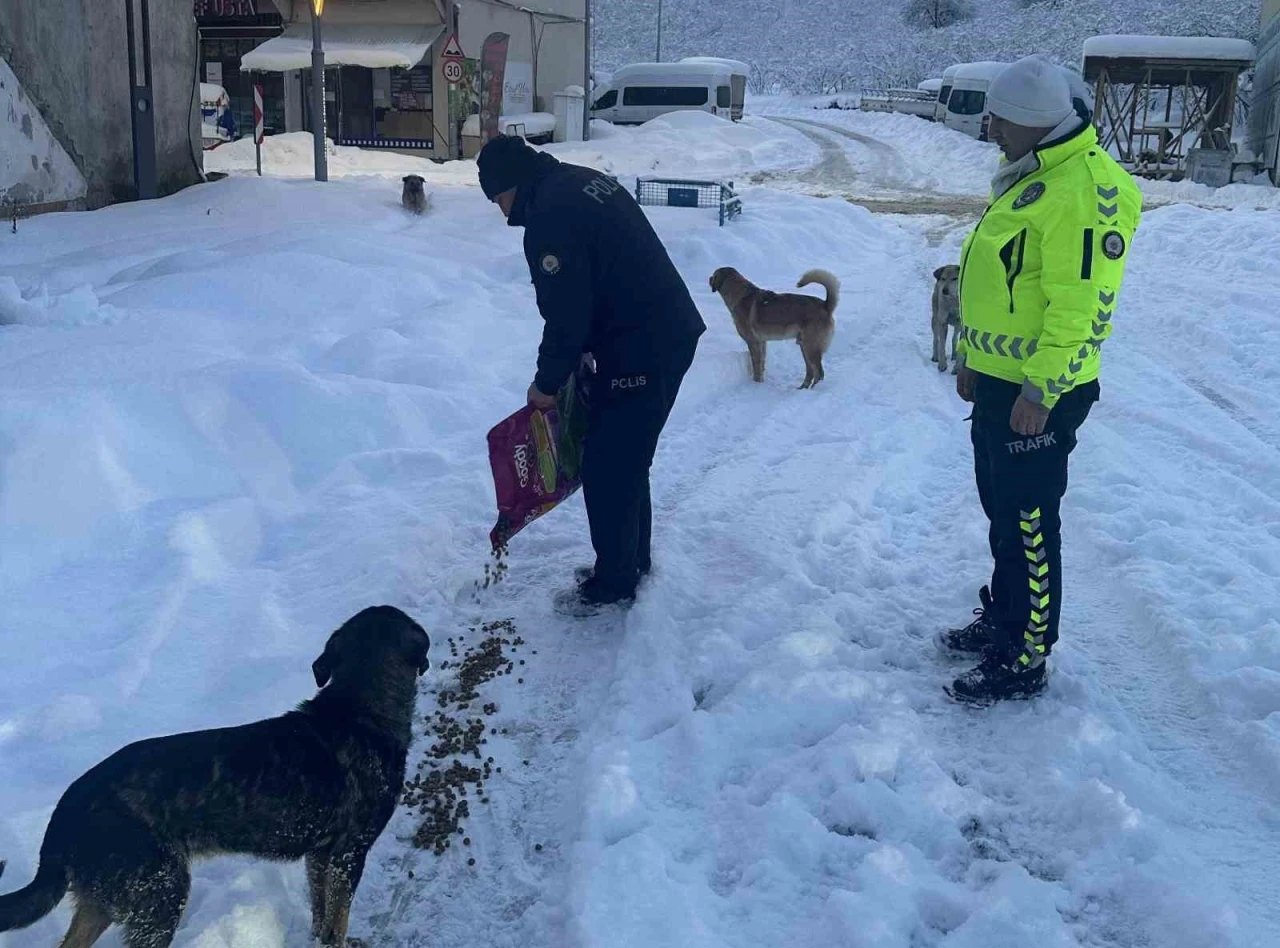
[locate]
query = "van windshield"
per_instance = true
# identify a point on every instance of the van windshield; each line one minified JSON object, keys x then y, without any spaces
{"x":665,"y":95}
{"x":967,"y":102}
{"x":943,"y":94}
{"x":607,"y":101}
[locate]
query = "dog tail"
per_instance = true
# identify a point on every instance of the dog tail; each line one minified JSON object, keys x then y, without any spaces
{"x":826,"y":280}
{"x":27,"y":906}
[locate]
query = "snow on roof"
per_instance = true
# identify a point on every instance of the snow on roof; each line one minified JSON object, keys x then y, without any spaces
{"x":930,"y":85}
{"x":734,"y":64}
{"x":985,"y":70}
{"x":1215,"y":48}
{"x":380,"y":46}
{"x":682,"y":68}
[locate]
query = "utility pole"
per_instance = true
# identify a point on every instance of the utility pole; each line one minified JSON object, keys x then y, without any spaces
{"x":658,"y":58}
{"x":141,"y":104}
{"x":317,"y":91}
{"x":586,"y":59}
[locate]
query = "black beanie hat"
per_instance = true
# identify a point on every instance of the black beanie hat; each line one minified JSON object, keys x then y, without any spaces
{"x":506,"y":162}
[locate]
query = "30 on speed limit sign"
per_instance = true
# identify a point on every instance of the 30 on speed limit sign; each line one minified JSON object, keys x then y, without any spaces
{"x":452,"y":70}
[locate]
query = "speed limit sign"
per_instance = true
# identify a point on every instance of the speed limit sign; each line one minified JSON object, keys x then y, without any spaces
{"x":452,"y":70}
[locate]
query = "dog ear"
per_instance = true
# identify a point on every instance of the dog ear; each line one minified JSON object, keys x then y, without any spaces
{"x":416,"y":645}
{"x":937,"y":274}
{"x":323,"y":666}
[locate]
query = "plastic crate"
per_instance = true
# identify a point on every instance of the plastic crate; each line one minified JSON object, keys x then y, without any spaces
{"x":678,"y":192}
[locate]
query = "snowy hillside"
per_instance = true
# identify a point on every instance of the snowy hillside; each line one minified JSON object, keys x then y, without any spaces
{"x":816,"y":46}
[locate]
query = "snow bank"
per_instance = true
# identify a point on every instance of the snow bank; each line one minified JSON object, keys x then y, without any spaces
{"x":292,"y":156}
{"x":1169,"y":47}
{"x":1234,"y":196}
{"x":689,"y":143}
{"x":684,"y":143}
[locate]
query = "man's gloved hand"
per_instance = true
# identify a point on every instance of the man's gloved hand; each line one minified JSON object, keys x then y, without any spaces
{"x":540,"y":400}
{"x":1028,"y":418}
{"x":964,"y":382}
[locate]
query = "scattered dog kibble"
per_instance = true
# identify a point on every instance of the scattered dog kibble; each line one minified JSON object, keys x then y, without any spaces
{"x":439,"y":794}
{"x":538,"y":847}
{"x":471,"y":861}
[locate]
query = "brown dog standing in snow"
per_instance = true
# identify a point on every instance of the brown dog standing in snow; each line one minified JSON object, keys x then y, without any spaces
{"x":762,"y":316}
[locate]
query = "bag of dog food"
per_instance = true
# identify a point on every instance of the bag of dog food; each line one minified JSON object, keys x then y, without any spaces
{"x":536,"y":458}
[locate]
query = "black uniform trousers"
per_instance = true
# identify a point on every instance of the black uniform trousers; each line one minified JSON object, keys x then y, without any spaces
{"x":1021,"y":483}
{"x":627,"y":413}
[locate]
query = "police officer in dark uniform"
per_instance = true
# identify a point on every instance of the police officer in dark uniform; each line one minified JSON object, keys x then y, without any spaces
{"x":605,"y":286}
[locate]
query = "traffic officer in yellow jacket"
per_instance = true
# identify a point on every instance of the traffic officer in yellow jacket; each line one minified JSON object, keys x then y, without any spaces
{"x":1039,"y":284}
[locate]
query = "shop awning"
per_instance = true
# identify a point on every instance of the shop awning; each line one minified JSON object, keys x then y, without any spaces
{"x":380,"y":46}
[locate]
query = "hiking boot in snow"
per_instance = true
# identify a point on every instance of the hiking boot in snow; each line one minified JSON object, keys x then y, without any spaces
{"x":584,"y":573}
{"x":975,"y":637}
{"x":999,"y":678}
{"x":590,"y":598}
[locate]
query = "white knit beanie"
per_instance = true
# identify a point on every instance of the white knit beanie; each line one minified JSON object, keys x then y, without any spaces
{"x":1032,"y":93}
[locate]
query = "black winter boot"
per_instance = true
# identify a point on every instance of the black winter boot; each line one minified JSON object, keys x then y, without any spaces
{"x":588,"y":599}
{"x":975,"y":637}
{"x":584,"y":573}
{"x":999,"y":678}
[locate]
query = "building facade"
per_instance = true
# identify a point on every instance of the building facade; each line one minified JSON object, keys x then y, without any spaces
{"x":1264,"y":113}
{"x":384,"y":84}
{"x":70,"y":61}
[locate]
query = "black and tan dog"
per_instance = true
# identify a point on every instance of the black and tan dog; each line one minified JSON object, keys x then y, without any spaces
{"x":413,"y":197}
{"x":763,"y":316}
{"x":319,"y":783}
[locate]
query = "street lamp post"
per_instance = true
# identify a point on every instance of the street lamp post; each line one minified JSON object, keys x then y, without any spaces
{"x":317,"y":91}
{"x":586,"y":82}
{"x":658,"y":58}
{"x":141,"y":104}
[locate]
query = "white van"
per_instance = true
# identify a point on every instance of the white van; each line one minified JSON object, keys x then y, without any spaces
{"x":967,"y":104}
{"x":635,"y":94}
{"x":944,"y":93}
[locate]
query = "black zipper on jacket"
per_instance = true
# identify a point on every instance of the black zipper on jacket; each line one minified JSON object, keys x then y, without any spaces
{"x":1013,"y":255}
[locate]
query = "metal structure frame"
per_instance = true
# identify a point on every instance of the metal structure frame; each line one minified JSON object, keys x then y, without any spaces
{"x":1135,"y":109}
{"x":679,"y":192}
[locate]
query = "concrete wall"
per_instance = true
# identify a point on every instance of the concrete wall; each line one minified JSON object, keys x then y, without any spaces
{"x":71,"y":58}
{"x":1264,"y":114}
{"x":35,"y":170}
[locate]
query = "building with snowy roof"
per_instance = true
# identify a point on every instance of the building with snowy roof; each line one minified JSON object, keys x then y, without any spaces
{"x":385,"y":84}
{"x":1162,"y":99}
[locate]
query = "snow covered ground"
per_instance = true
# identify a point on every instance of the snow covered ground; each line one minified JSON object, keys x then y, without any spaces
{"x":659,"y":147}
{"x":231,"y":418}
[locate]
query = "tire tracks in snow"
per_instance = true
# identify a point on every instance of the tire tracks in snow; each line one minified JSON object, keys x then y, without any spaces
{"x":879,"y":188}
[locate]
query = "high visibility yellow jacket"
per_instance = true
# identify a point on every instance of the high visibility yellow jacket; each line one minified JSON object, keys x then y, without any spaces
{"x":1041,"y":273}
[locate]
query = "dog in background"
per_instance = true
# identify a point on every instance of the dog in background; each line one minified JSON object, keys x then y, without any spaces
{"x":319,"y":783}
{"x":762,"y":316}
{"x":946,"y":312}
{"x":413,"y":197}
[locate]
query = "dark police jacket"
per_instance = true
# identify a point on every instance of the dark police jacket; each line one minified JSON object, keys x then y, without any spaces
{"x":604,"y":281}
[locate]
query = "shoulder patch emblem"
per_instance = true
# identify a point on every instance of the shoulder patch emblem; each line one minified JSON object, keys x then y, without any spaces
{"x":550,"y":264}
{"x":1113,"y":245}
{"x":1030,"y":194}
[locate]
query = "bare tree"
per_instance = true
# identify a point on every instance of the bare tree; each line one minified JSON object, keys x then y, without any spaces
{"x":935,"y":14}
